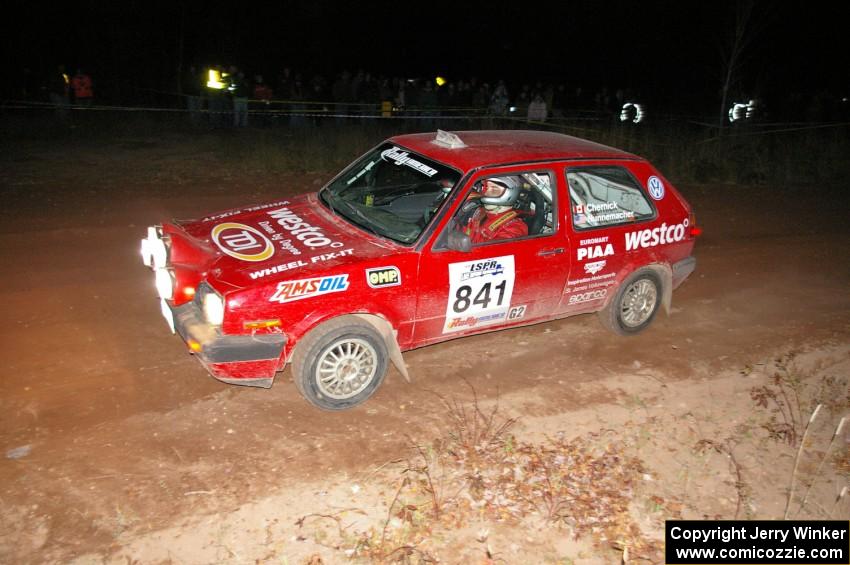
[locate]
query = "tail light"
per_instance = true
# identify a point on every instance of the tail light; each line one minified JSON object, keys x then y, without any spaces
{"x":693,"y":229}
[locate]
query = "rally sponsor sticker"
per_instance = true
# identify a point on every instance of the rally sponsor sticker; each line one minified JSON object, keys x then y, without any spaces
{"x":594,"y":267}
{"x":242,"y":242}
{"x":380,"y":277}
{"x":290,"y":291}
{"x":479,"y":293}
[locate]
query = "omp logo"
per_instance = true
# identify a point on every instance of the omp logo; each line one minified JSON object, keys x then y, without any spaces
{"x":242,"y":242}
{"x":661,"y":235}
{"x":383,"y":276}
{"x":290,"y":291}
{"x":595,"y":267}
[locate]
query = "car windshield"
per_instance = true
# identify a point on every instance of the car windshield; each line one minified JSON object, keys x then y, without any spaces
{"x":391,"y":192}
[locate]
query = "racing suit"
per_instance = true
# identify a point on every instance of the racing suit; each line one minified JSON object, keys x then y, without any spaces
{"x":487,"y":226}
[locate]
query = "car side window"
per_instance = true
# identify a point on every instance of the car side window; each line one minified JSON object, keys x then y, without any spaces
{"x":605,"y":196}
{"x":509,"y":206}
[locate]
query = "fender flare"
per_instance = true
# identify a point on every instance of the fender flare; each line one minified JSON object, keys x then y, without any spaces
{"x":386,"y":331}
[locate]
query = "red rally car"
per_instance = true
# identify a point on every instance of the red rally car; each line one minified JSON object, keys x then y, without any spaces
{"x":427,"y":237}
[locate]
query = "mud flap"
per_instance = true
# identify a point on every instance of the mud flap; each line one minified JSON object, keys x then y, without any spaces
{"x":386,"y":331}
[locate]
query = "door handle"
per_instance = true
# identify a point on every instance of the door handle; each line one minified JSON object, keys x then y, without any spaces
{"x":546,"y":252}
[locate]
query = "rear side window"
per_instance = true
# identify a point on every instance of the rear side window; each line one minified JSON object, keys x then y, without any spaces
{"x":606,"y":196}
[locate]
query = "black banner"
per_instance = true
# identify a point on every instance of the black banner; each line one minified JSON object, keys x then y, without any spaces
{"x":817,"y":542}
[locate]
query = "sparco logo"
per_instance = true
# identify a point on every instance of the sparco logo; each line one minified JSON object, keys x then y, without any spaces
{"x":661,"y":235}
{"x":309,"y":235}
{"x":588,"y":296}
{"x":242,"y":242}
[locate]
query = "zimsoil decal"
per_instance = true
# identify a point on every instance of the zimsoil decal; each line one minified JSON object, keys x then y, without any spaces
{"x":479,"y":292}
{"x":383,"y":276}
{"x":661,"y":235}
{"x":309,"y":235}
{"x":242,"y":242}
{"x":290,"y":291}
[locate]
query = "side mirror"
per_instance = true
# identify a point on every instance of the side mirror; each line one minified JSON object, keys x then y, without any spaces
{"x":459,"y":241}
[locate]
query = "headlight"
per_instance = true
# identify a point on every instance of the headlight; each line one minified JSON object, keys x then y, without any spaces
{"x":213,"y":308}
{"x":165,"y":284}
{"x":158,"y":253}
{"x":153,"y":249}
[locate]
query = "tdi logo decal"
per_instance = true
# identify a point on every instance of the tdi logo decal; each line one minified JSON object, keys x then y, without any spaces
{"x":242,"y":242}
{"x":383,"y":276}
{"x":307,"y":288}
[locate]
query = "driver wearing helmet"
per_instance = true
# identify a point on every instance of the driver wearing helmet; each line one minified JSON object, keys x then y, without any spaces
{"x":496,"y":217}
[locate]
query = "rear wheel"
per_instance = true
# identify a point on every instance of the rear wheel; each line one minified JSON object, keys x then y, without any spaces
{"x":634,"y":306}
{"x":340,"y":364}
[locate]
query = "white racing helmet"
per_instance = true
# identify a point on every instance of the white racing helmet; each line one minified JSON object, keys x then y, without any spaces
{"x":499,"y":193}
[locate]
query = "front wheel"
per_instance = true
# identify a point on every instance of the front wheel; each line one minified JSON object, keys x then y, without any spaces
{"x":340,"y":364}
{"x":635,"y":304}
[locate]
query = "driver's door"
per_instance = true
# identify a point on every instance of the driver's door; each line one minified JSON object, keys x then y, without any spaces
{"x":494,"y":284}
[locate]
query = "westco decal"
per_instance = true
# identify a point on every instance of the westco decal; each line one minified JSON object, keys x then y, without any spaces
{"x":290,"y":291}
{"x":242,"y":242}
{"x":309,"y":235}
{"x":661,"y":235}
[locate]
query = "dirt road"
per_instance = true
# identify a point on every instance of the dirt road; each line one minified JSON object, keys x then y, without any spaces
{"x":111,"y":432}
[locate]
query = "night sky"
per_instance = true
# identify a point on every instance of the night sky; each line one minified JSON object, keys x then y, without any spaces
{"x":665,"y":51}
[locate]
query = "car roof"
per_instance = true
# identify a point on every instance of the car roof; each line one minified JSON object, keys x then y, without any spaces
{"x":501,"y":147}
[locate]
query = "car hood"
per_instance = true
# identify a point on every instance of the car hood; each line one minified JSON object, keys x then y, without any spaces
{"x":281,"y":240}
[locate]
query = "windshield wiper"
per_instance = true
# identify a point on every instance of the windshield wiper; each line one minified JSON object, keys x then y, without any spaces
{"x":368,"y":226}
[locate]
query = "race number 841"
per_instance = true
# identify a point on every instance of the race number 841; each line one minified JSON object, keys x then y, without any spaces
{"x":479,"y":292}
{"x":482,"y":297}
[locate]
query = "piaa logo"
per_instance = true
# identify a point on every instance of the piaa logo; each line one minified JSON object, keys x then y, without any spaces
{"x":594,"y":252}
{"x":242,"y":242}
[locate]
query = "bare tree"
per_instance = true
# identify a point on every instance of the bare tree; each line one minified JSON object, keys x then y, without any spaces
{"x":733,"y":49}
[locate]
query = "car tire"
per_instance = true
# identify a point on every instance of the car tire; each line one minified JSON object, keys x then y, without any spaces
{"x":340,"y":363}
{"x":634,"y":306}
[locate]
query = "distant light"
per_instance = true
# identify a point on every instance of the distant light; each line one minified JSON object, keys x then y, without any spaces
{"x":214,"y":80}
{"x":630,"y":108}
{"x":512,"y":109}
{"x":741,"y":111}
{"x":440,"y":81}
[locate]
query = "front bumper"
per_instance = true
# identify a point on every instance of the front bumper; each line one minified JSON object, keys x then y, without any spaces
{"x":250,"y":360}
